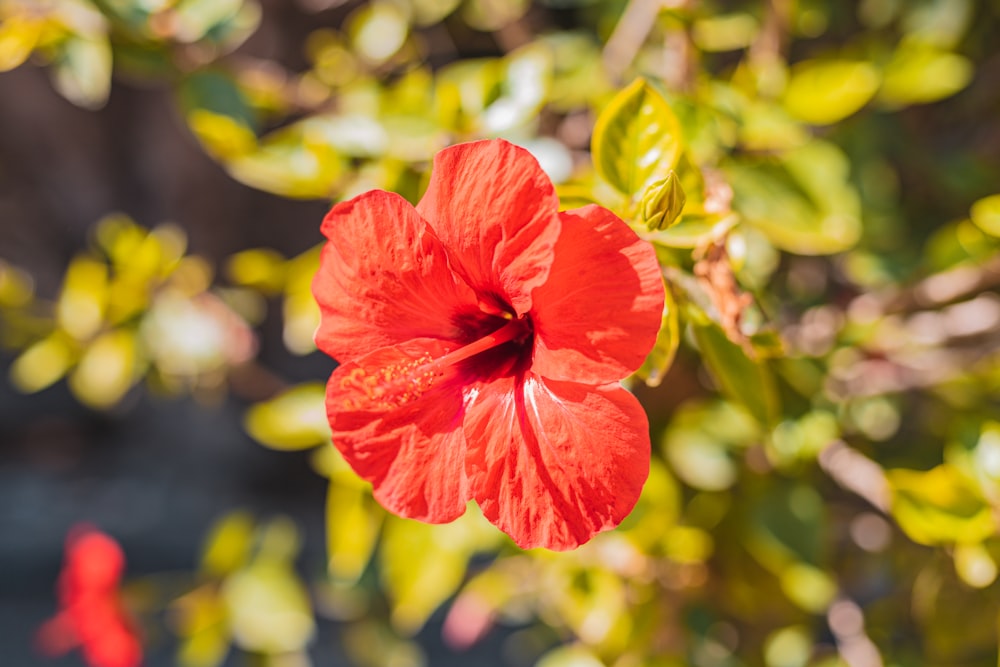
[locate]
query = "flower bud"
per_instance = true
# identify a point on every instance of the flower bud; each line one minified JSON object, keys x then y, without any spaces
{"x":663,"y":202}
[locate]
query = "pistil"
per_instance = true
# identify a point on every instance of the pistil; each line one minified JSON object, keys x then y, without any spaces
{"x":396,"y":384}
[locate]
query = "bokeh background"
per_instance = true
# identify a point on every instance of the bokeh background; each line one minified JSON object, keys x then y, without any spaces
{"x":823,"y":395}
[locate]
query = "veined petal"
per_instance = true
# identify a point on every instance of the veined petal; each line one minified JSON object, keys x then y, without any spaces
{"x":597,"y":316}
{"x":495,"y":211}
{"x":383,"y":278}
{"x":552,"y":463}
{"x":398,"y":423}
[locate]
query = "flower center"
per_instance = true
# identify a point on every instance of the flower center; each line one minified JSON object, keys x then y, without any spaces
{"x":401,"y":378}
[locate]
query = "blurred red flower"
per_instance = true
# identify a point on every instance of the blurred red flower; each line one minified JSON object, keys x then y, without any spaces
{"x":91,"y":615}
{"x":482,"y":336}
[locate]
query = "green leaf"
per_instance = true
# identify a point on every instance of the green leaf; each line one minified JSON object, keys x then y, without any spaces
{"x":637,"y":139}
{"x":660,"y":358}
{"x":803,"y":203}
{"x":822,"y":92}
{"x":741,"y":378}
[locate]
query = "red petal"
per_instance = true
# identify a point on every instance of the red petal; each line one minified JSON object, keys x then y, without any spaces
{"x":495,"y":211}
{"x":383,"y":278}
{"x":553,"y":463}
{"x":597,"y":316}
{"x":401,"y":429}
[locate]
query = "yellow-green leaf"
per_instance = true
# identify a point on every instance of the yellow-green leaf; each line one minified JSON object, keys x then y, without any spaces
{"x":41,"y":364}
{"x":940,"y":506}
{"x":296,"y":419}
{"x":423,"y":565}
{"x":822,"y":92}
{"x":82,"y":71}
{"x":353,"y":521}
{"x":985,"y":214}
{"x":660,"y":358}
{"x":18,"y":36}
{"x":227,"y":547}
{"x":106,"y":370}
{"x":919,"y":74}
{"x":637,"y":139}
{"x":269,"y":609}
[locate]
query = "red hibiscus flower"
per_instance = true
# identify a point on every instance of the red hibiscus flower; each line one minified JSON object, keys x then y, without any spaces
{"x":482,"y":336}
{"x":91,"y":615}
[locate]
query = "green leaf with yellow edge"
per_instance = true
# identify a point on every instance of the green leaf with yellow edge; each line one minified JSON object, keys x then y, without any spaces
{"x":295,"y":419}
{"x":741,"y":378}
{"x":985,"y":214}
{"x":660,"y":358}
{"x":637,"y":139}
{"x":940,"y":506}
{"x":919,"y":74}
{"x":822,"y":92}
{"x":107,"y":369}
{"x":353,"y":521}
{"x":423,"y":565}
